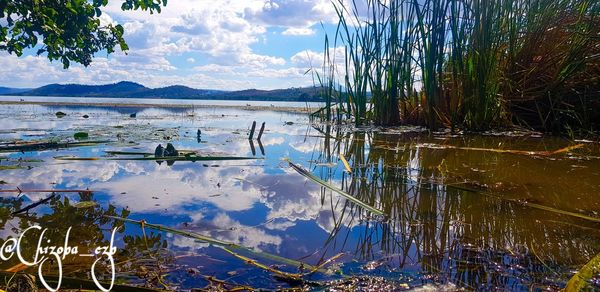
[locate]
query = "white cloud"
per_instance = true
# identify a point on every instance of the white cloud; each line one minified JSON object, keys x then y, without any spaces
{"x":303,"y":31}
{"x":307,"y":59}
{"x":214,"y":68}
{"x":310,"y":58}
{"x":260,"y":61}
{"x":278,"y":73}
{"x":292,"y":13}
{"x":220,"y":36}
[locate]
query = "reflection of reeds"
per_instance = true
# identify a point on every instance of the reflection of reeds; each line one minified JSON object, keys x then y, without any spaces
{"x":471,"y":238}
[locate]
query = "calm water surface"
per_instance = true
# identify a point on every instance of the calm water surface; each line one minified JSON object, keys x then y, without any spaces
{"x":159,"y":101}
{"x":455,"y":217}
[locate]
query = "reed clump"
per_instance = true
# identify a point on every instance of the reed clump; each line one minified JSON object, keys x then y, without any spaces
{"x":464,"y":64}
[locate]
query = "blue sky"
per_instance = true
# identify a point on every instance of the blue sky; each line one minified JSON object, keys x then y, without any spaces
{"x":230,"y":45}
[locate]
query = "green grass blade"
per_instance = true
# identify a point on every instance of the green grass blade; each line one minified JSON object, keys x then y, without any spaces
{"x":579,"y":281}
{"x":152,"y":158}
{"x":323,"y":183}
{"x":128,"y":153}
{"x":217,"y":242}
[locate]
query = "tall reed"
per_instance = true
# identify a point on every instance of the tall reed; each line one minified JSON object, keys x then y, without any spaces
{"x":467,"y":64}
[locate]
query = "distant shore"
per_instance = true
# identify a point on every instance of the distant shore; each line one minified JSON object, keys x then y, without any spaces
{"x":154,"y":105}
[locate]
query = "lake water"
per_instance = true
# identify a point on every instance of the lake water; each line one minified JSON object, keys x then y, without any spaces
{"x":159,"y":101}
{"x":459,"y":211}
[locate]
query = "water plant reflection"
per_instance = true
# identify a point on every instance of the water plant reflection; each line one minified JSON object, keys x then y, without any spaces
{"x":442,"y":225}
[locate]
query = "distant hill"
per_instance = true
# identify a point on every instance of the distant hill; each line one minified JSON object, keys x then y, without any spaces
{"x":290,"y":94}
{"x":127,"y":89}
{"x":120,"y":89}
{"x":9,"y":91}
{"x":175,"y":91}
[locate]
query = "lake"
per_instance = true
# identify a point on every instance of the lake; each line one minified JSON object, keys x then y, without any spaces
{"x":500,"y":211}
{"x":158,"y":101}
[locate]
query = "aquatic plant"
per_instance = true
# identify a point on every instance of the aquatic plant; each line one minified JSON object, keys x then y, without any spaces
{"x":579,"y":281}
{"x":471,"y":64}
{"x":326,"y":185}
{"x":455,"y":222}
{"x":19,"y":146}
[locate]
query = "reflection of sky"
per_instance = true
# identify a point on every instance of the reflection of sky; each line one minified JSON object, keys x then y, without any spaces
{"x":260,"y":203}
{"x":256,"y":203}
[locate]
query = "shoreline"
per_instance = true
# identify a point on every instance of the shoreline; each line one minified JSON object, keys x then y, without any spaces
{"x":151,"y":105}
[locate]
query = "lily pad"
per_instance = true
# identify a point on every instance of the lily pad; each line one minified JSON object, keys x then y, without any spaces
{"x":81,"y":135}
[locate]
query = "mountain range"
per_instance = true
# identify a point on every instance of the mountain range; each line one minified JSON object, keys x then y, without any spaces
{"x":126,"y":89}
{"x":8,"y":90}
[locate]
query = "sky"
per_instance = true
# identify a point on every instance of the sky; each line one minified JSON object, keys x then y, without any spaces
{"x":218,"y":44}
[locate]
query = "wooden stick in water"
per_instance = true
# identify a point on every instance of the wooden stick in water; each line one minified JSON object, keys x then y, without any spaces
{"x":262,"y":129}
{"x":252,"y":130}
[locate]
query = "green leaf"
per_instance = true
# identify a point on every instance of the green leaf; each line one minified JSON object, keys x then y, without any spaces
{"x":85,"y":204}
{"x":579,"y":281}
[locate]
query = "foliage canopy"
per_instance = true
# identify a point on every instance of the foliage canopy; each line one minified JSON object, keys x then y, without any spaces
{"x":69,"y":30}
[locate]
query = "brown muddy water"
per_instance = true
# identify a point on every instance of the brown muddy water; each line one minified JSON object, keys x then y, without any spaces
{"x":476,"y":212}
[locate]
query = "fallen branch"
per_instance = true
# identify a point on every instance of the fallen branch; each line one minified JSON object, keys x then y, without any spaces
{"x":40,"y":202}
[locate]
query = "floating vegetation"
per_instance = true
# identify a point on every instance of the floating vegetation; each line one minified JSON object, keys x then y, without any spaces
{"x":128,"y":153}
{"x":230,"y":248}
{"x":192,"y":158}
{"x":530,"y":204}
{"x":346,"y":165}
{"x":81,"y":135}
{"x":579,"y":281}
{"x":10,"y":167}
{"x":520,"y":152}
{"x":323,"y":183}
{"x":135,"y":132}
{"x":46,"y":145}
